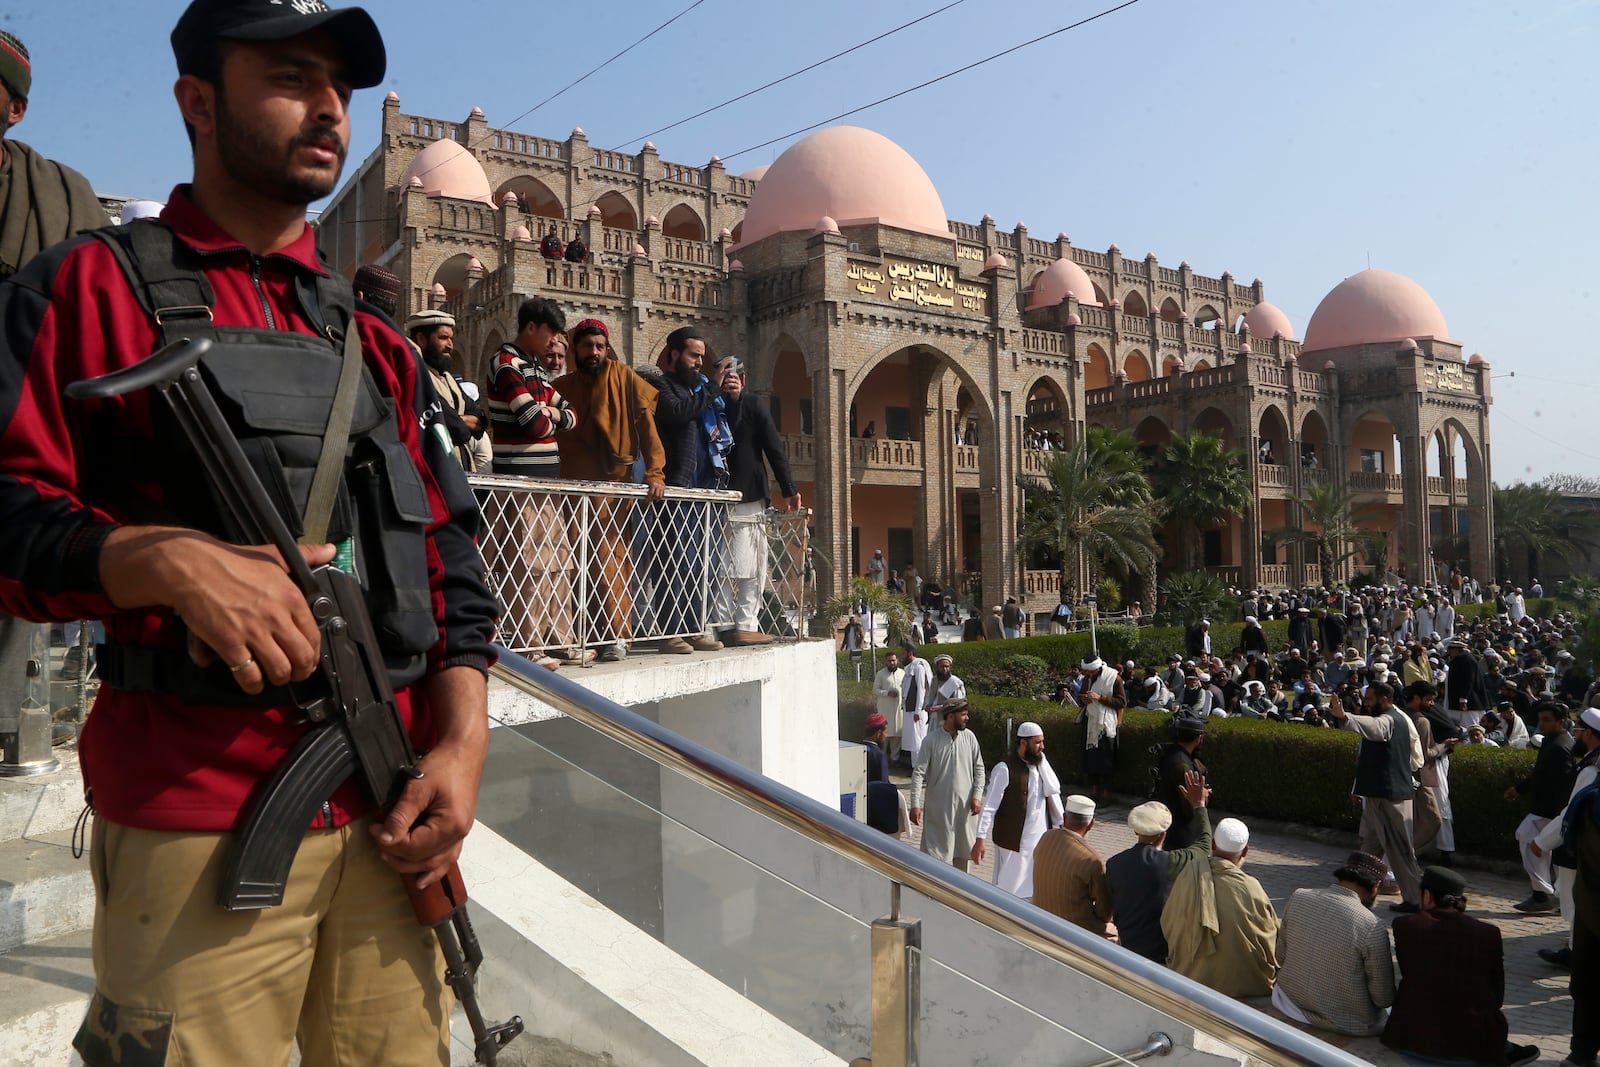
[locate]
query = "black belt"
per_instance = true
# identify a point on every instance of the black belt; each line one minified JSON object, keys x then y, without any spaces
{"x":170,"y":672}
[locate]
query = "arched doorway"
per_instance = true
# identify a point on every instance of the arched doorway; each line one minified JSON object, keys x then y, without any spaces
{"x":1097,"y":369}
{"x":533,"y":196}
{"x":452,"y":274}
{"x":1272,"y":438}
{"x":616,"y":213}
{"x":683,"y":222}
{"x":1136,"y":367}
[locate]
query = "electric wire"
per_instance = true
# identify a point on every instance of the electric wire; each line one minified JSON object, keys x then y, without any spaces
{"x":790,"y":76}
{"x":934,"y":81}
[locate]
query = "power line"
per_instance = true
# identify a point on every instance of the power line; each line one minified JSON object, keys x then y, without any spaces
{"x":790,"y":76}
{"x":933,"y":81}
{"x":596,"y":69}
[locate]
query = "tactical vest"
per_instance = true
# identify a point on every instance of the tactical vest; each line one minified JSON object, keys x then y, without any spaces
{"x":276,"y":388}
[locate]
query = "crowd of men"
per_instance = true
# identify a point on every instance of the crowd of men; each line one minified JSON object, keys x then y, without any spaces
{"x":686,"y":422}
{"x":1180,"y":895}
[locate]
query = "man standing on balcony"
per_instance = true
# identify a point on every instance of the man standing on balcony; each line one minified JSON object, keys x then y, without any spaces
{"x":1023,"y":801}
{"x":876,"y":567}
{"x":613,"y":410}
{"x":947,"y":787}
{"x":756,"y":446}
{"x":534,"y":548}
{"x":694,"y":435}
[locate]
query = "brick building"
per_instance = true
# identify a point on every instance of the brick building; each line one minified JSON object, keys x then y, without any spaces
{"x":859,"y":305}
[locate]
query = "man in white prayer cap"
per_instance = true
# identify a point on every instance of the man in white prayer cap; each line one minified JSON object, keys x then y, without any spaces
{"x":1219,"y":924}
{"x":1103,"y":697}
{"x":1023,"y":801}
{"x":1141,"y":877}
{"x":1069,"y":877}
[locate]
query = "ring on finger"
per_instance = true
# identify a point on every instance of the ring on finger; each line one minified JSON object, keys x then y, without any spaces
{"x":246,"y":665}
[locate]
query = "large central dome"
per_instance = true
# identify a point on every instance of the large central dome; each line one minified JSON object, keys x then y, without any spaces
{"x":851,"y":175}
{"x":1374,"y":306}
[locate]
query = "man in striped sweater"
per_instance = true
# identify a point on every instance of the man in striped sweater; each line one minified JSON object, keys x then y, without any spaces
{"x":536,"y":568}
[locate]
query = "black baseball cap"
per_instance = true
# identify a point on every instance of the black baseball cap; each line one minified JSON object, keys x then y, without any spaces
{"x":206,"y":21}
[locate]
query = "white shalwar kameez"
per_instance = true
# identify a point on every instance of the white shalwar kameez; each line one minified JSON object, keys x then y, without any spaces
{"x":1013,"y":871}
{"x":915,"y":681}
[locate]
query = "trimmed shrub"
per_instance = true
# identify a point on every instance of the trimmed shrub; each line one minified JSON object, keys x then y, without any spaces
{"x":1274,"y":770}
{"x":1013,"y":676}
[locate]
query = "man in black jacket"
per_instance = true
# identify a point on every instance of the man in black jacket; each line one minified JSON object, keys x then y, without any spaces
{"x":689,"y":420}
{"x":1547,"y":789}
{"x":756,"y":445}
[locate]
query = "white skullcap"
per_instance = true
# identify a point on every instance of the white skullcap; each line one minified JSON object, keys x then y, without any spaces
{"x":429,"y":319}
{"x":1255,"y":686}
{"x":1231,"y":836}
{"x":944,"y":657}
{"x":1030,"y":729}
{"x":1591,"y":718}
{"x":1078,"y":804}
{"x":1150,"y":818}
{"x":470,"y":388}
{"x":138,"y":209}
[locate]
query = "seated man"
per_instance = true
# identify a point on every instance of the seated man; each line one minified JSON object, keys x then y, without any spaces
{"x":1220,"y":928}
{"x":1452,"y":961}
{"x":1337,"y":972}
{"x":1140,"y":878}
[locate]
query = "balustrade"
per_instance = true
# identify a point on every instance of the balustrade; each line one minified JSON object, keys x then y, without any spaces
{"x":1085,"y":258}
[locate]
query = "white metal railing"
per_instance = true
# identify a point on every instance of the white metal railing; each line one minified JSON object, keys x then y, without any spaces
{"x":579,"y":564}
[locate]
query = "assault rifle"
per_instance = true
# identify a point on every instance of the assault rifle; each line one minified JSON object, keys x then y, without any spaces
{"x":356,"y":728}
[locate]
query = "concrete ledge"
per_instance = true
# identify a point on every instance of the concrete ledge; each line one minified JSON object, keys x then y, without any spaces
{"x":581,"y":975}
{"x":43,"y":804}
{"x":44,"y":892}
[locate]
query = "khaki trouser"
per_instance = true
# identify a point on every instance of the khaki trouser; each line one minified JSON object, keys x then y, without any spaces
{"x":341,"y":963}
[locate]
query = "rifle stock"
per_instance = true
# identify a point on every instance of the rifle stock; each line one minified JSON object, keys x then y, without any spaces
{"x":356,"y":727}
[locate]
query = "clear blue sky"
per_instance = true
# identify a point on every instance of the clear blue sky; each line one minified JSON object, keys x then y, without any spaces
{"x":1453,"y":141}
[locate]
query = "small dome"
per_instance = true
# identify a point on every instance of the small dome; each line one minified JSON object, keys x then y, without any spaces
{"x":1184,"y":265}
{"x":577,"y":131}
{"x":716,"y":161}
{"x":725,"y":234}
{"x":995,"y":261}
{"x":445,"y":168}
{"x":509,"y":199}
{"x":1062,"y":236}
{"x":1291,"y":360}
{"x":1074,"y":319}
{"x":477,"y":113}
{"x":736,"y":265}
{"x":1372,"y":307}
{"x":473,"y":264}
{"x":1330,"y":366}
{"x":638,"y":250}
{"x":1056,"y":281}
{"x":1408,"y":345}
{"x":1266,"y":320}
{"x":1244,"y":346}
{"x":522,"y":233}
{"x":438,"y":289}
{"x":594,"y":211}
{"x":1113,"y":248}
{"x":826,"y":225}
{"x":139,"y":209}
{"x":988,"y":219}
{"x":755,"y":174}
{"x":649,"y":146}
{"x":392,"y":98}
{"x":1477,"y":359}
{"x":849,"y":174}
{"x":652,"y":221}
{"x":414,"y":183}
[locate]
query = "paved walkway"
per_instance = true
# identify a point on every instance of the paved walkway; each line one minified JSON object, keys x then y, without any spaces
{"x":1537,"y":1005}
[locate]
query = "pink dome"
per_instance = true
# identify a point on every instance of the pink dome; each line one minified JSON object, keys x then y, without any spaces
{"x":736,"y":265}
{"x":638,"y":251}
{"x":445,"y":168}
{"x":1477,"y":359}
{"x":1374,"y":306}
{"x":522,"y":233}
{"x":755,"y":174}
{"x":438,"y":289}
{"x":392,"y":98}
{"x":508,"y":198}
{"x":826,"y":224}
{"x":994,"y":261}
{"x":477,"y":112}
{"x":1266,"y":320}
{"x":1056,"y":281}
{"x":846,"y":173}
{"x":473,"y":264}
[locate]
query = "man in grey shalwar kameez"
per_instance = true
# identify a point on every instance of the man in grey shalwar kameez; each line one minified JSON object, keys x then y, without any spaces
{"x":949,"y":770}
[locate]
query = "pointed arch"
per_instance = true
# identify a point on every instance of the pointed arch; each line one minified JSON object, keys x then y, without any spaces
{"x":1170,"y":366}
{"x":1272,"y":433}
{"x":452,"y":274}
{"x":1314,"y":438}
{"x":1096,"y":368}
{"x":533,"y":196}
{"x":1215,"y":421}
{"x":1207,"y":317}
{"x":1134,"y":304}
{"x":1136,"y":366}
{"x":683,"y":222}
{"x":1171,"y":311}
{"x":616,"y":213}
{"x":1100,"y":294}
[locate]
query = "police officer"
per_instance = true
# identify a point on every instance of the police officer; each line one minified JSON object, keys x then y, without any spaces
{"x":104,"y":519}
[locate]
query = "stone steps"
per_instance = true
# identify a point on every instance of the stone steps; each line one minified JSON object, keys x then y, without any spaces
{"x":44,"y":892}
{"x":43,"y":804}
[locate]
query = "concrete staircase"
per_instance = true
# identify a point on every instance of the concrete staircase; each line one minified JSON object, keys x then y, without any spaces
{"x":46,"y":911}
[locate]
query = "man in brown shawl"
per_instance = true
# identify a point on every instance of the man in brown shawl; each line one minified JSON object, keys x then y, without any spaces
{"x":615,"y":427}
{"x":41,"y":201}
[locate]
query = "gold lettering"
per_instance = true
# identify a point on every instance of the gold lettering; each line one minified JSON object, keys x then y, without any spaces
{"x":867,"y":287}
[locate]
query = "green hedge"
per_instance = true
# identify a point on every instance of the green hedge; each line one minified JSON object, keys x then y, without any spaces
{"x":1466,"y":613}
{"x":1145,"y":645}
{"x":1276,"y":770}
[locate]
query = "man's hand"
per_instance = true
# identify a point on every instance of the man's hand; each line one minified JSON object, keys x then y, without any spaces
{"x":916,"y":816}
{"x":239,"y":603}
{"x":975,"y":805}
{"x":422,"y":833}
{"x":1194,"y":789}
{"x":791,"y":503}
{"x":978,"y":852}
{"x":654,"y":491}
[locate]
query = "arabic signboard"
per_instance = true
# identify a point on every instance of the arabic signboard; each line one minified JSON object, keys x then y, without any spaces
{"x":923,"y":285}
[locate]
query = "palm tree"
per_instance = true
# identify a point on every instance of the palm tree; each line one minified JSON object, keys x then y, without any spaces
{"x":1189,"y":598}
{"x":1534,"y":521}
{"x":1120,"y":451}
{"x":1201,"y":483}
{"x":1088,"y":504}
{"x":1337,"y":536}
{"x":864,"y":594}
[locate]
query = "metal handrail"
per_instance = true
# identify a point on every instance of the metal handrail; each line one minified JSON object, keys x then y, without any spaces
{"x":574,"y":487}
{"x":1220,"y":1017}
